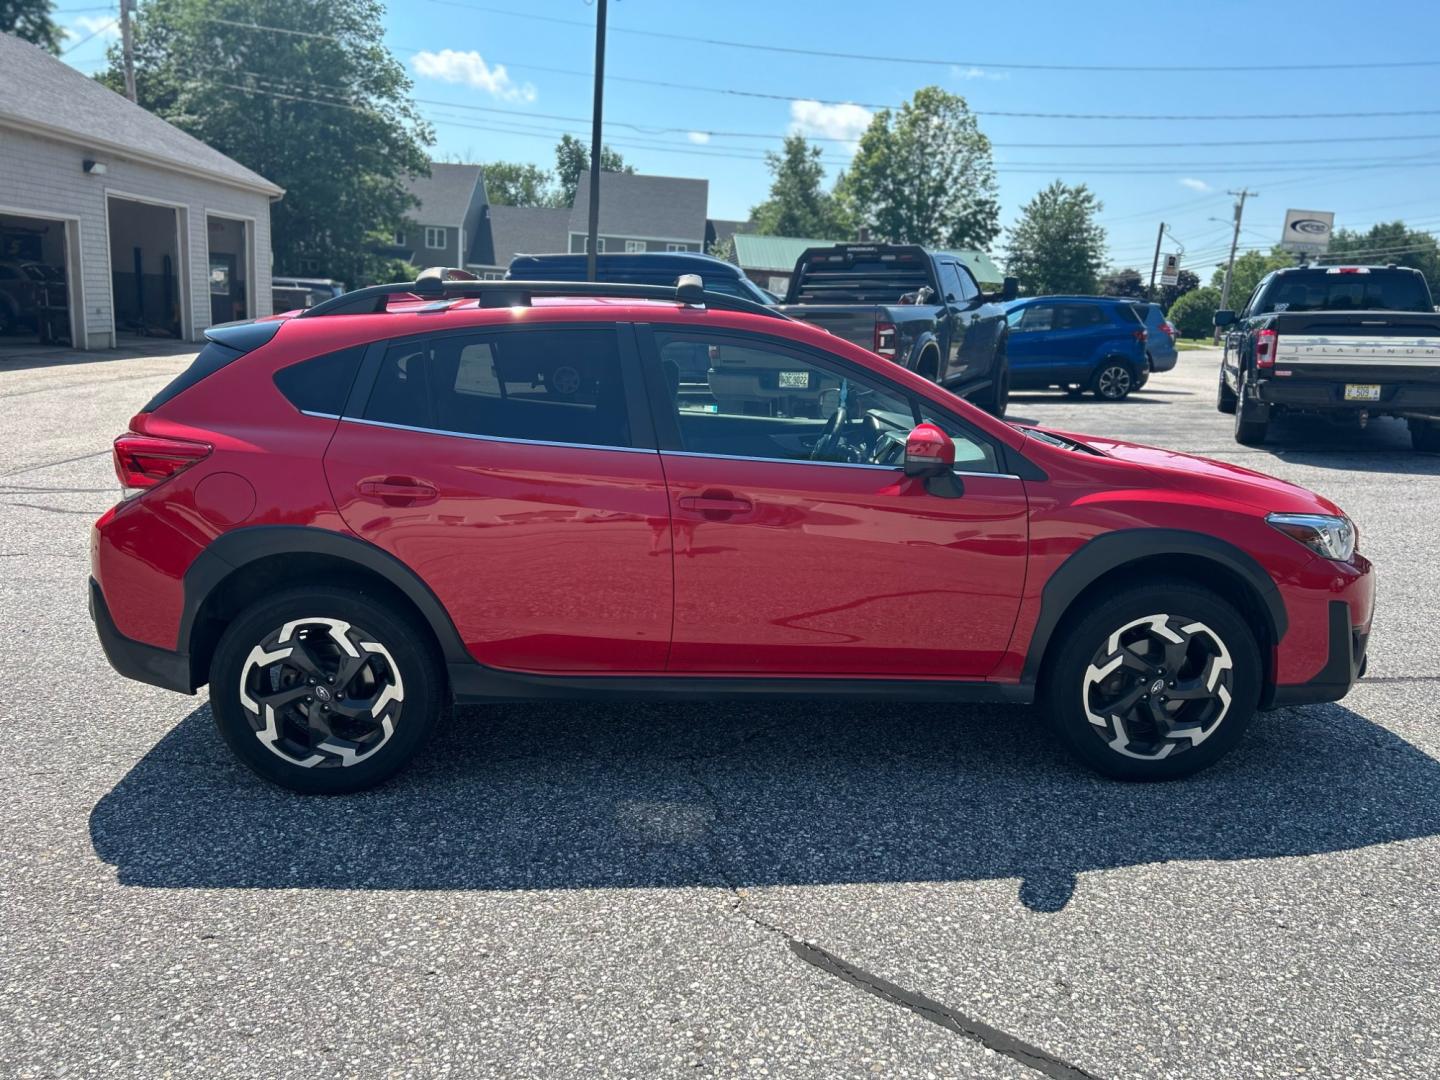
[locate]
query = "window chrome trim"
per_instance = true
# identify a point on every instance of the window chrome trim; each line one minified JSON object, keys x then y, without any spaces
{"x":320,"y":415}
{"x":494,"y":438}
{"x":832,"y":464}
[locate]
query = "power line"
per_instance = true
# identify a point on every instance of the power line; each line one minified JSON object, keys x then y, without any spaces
{"x":872,"y":58}
{"x":106,"y":25}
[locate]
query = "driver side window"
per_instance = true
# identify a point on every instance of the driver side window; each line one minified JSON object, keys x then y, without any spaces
{"x":741,"y":396}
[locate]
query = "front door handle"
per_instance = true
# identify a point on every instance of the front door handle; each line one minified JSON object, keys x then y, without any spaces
{"x":398,"y":491}
{"x":716,"y":505}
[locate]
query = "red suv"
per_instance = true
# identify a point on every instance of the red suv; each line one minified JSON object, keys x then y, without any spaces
{"x":462,"y":491}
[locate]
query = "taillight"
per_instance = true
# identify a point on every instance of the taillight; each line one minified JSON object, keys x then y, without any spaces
{"x":1141,"y":334}
{"x":1266,"y":341}
{"x":1168,"y":328}
{"x":142,"y":461}
{"x":885,"y":338}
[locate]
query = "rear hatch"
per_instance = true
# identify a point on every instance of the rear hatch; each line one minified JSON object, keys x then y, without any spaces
{"x":852,"y":322}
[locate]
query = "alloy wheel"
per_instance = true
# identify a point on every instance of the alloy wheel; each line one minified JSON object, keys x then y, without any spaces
{"x":321,"y":693}
{"x":1159,"y":686}
{"x":1114,"y":382}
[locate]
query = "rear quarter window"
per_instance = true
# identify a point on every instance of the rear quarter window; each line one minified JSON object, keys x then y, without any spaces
{"x":322,"y":383}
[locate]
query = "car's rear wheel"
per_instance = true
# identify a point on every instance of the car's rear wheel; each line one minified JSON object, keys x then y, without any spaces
{"x":1425,"y":435}
{"x":1154,"y":683}
{"x":1224,"y":396}
{"x":1114,"y":380}
{"x":325,"y":690}
{"x":1249,"y":431}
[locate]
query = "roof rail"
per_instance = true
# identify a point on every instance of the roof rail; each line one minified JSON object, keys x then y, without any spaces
{"x":445,"y":283}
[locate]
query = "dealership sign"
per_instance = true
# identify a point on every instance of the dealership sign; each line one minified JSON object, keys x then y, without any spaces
{"x":1170,"y":272}
{"x":1307,"y":231}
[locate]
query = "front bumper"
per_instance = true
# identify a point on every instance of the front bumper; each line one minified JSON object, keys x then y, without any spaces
{"x":135,"y":659}
{"x":1344,"y":664}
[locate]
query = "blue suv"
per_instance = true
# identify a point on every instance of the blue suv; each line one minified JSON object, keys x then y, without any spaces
{"x":1077,"y":343}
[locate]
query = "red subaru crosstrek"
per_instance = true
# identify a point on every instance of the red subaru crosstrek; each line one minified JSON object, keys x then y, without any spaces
{"x":461,"y":491}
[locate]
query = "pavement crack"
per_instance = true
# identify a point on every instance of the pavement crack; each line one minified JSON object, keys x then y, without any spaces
{"x":991,"y":1038}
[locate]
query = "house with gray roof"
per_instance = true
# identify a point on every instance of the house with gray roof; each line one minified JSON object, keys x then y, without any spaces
{"x":518,"y":230}
{"x":445,"y":227}
{"x":642,"y":213}
{"x":114,"y":223}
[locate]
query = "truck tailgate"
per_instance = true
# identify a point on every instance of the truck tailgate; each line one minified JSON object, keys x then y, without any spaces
{"x":1364,"y":346}
{"x":853,"y":322}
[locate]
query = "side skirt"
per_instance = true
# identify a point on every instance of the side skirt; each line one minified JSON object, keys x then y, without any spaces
{"x":473,"y":684}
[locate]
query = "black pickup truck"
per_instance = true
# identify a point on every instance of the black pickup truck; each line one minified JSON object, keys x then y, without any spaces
{"x":1342,"y":342}
{"x":919,"y":308}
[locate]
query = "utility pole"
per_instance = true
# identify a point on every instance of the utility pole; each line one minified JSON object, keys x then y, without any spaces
{"x":1241,"y":196}
{"x":127,"y":44}
{"x":1155,"y":262}
{"x":592,"y":241}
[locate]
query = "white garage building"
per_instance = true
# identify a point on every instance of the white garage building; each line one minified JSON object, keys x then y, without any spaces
{"x":115,"y":225}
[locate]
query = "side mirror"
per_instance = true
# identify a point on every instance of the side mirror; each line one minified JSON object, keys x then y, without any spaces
{"x":1224,"y":317}
{"x":928,"y":452}
{"x":1009,"y":289}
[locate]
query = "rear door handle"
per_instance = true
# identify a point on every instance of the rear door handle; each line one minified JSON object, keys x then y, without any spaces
{"x":714,"y":504}
{"x":398,"y":491}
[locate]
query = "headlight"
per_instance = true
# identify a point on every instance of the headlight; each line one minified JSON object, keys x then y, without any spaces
{"x":1327,"y":536}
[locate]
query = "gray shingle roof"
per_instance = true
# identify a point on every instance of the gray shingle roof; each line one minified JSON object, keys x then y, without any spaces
{"x":663,"y":207}
{"x":526,"y":230}
{"x":47,"y":96}
{"x":444,"y":195}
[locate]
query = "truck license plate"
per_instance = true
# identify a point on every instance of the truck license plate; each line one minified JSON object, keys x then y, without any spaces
{"x":1362,"y":392}
{"x":800,"y":380}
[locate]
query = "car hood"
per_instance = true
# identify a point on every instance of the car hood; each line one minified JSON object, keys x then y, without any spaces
{"x":1217,"y":478}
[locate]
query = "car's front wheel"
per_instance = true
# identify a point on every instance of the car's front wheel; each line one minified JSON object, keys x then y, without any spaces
{"x":1224,"y":396}
{"x":325,"y":690}
{"x":1154,"y":683}
{"x":1249,"y":431}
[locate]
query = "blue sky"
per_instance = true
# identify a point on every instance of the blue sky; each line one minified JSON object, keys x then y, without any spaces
{"x":502,"y":79}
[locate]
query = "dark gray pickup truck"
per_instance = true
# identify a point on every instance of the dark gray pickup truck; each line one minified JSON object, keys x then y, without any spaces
{"x":1341,"y":342}
{"x":921,"y":309}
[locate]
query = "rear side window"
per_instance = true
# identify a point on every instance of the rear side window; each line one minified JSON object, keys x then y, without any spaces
{"x":321,"y":384}
{"x":555,"y":386}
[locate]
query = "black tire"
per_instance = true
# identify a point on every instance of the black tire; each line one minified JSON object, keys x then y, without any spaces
{"x":995,"y":398}
{"x":1224,"y":396}
{"x":1206,"y":726}
{"x":1425,"y":436}
{"x":1113,"y":380}
{"x":1248,"y":430}
{"x":380,"y":657}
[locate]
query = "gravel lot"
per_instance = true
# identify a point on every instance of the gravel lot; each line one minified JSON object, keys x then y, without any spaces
{"x":559,"y":891}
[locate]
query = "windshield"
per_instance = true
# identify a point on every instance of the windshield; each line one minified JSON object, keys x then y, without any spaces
{"x":1324,"y":290}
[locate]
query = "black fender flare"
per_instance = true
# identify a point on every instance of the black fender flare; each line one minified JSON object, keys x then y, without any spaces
{"x":926,"y":340}
{"x":1111,"y":550}
{"x":234,"y":550}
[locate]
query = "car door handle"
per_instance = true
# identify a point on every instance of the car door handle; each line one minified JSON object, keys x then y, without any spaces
{"x":398,"y":491}
{"x":714,"y":504}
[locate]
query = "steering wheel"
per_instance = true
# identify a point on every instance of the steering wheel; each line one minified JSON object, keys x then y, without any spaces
{"x":829,"y":439}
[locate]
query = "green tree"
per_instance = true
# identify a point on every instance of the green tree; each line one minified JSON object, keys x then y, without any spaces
{"x":30,"y":21}
{"x":798,"y":205}
{"x":1125,"y":282}
{"x":723,"y":249}
{"x":572,"y":159}
{"x":1058,"y":246}
{"x":1390,"y":242}
{"x":924,"y":175}
{"x":1193,"y":315}
{"x":1185,"y":281}
{"x":324,"y":111}
{"x":1249,"y":269}
{"x":510,"y":183}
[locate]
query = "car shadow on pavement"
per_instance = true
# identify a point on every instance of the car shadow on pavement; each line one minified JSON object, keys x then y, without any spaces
{"x":553,"y":796}
{"x":1383,"y":446}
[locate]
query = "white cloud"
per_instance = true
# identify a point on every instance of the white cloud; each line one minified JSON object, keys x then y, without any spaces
{"x":470,"y":68}
{"x":1195,"y":185}
{"x":973,"y":72}
{"x":845,"y":122}
{"x":102,"y":26}
{"x":699,"y":137}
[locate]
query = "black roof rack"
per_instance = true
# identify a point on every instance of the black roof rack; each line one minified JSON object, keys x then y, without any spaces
{"x":442,"y":283}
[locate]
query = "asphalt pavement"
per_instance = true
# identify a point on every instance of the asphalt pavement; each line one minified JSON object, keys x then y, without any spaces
{"x":714,"y":890}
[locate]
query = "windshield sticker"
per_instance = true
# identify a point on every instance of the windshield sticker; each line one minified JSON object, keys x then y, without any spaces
{"x":1281,"y":307}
